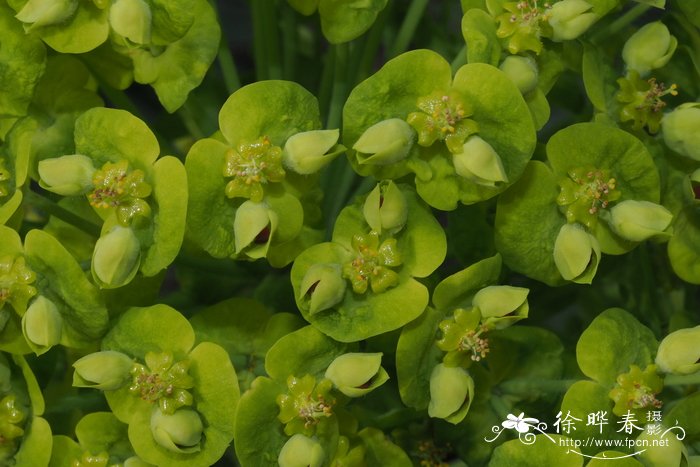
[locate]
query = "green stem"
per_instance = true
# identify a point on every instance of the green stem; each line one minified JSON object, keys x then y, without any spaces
{"x":228,"y":67}
{"x":373,"y":39}
{"x":340,"y":85}
{"x":187,"y":116}
{"x":408,"y":27}
{"x":53,"y":209}
{"x":500,"y":406}
{"x":460,"y":59}
{"x":340,"y":180}
{"x":682,"y":380}
{"x":257,"y":8}
{"x":530,"y":386}
{"x":621,"y":23}
{"x":326,"y":85}
{"x":272,"y":39}
{"x":289,"y":27}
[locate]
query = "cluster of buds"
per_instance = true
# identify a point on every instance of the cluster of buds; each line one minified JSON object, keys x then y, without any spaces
{"x":442,"y":117}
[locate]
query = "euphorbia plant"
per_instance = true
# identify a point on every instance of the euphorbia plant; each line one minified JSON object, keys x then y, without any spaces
{"x":349,"y":233}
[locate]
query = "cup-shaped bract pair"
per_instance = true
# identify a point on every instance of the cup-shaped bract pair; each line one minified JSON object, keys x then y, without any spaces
{"x":37,"y":13}
{"x":522,"y":70}
{"x":172,"y":400}
{"x":301,"y":451}
{"x":52,"y":301}
{"x":260,"y":175}
{"x":341,"y":286}
{"x":679,"y":352}
{"x":413,"y":116}
{"x":556,"y":221}
{"x":140,"y":197}
{"x":132,"y":20}
{"x":651,"y":47}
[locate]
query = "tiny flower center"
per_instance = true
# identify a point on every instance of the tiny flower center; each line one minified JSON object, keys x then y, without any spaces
{"x":595,"y":188}
{"x":251,"y":166}
{"x":371,"y":266}
{"x":314,"y":409}
{"x":15,"y":282}
{"x":163,"y":382}
{"x":474,"y":342}
{"x":115,"y":185}
{"x":530,"y":13}
{"x":585,"y":192}
{"x":12,"y":418}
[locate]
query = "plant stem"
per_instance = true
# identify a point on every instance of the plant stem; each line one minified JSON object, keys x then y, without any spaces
{"x":408,"y":27}
{"x":326,"y":84}
{"x":340,"y":85}
{"x":373,"y":39}
{"x":682,"y":380}
{"x":621,"y":23}
{"x":187,"y":116}
{"x":228,"y":67}
{"x":289,"y":35}
{"x":460,"y":59}
{"x":272,"y":39}
{"x":500,"y":406}
{"x":257,"y":8}
{"x":53,"y":209}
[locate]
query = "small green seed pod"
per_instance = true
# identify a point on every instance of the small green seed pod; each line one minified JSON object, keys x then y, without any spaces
{"x":132,"y":20}
{"x":570,"y":18}
{"x":253,"y":227}
{"x":106,"y":370}
{"x":679,"y":352}
{"x":385,"y":142}
{"x":681,"y":130}
{"x":307,"y":152}
{"x":501,"y":305}
{"x":639,"y":220}
{"x":42,"y":324}
{"x":576,"y":254}
{"x":385,"y":208}
{"x":116,"y":257}
{"x":451,"y":392}
{"x":651,"y":47}
{"x":522,"y":71}
{"x":356,"y":374}
{"x":179,"y":432}
{"x":301,"y":451}
{"x":66,"y":175}
{"x":323,"y":287}
{"x":479,"y":162}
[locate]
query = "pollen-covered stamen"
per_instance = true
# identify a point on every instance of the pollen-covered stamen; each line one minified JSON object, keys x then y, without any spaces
{"x":530,"y":13}
{"x":442,"y":117}
{"x":652,"y":98}
{"x":643,"y":100}
{"x":253,"y":165}
{"x":643,"y":398}
{"x":595,"y":188}
{"x":636,"y":390}
{"x":314,"y":410}
{"x":585,"y":192}
{"x":474,"y":342}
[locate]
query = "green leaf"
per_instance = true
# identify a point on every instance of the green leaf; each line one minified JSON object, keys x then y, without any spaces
{"x":258,"y":436}
{"x":602,"y":459}
{"x":66,"y":86}
{"x":182,"y":65}
{"x":157,"y":328}
{"x":209,"y":213}
{"x":82,"y":308}
{"x":170,"y":192}
{"x":588,"y":397}
{"x":343,"y":20}
{"x":381,"y":451}
{"x":599,"y":79}
{"x":479,"y":31}
{"x":64,"y":451}
{"x":276,"y":109}
{"x":35,"y":447}
{"x":542,"y":452}
{"x":103,"y":432}
{"x":459,"y":288}
{"x":304,"y":351}
{"x":109,"y":66}
{"x":23,"y":57}
{"x":655,"y":3}
{"x":683,"y":250}
{"x":539,"y":107}
{"x":171,"y":20}
{"x":683,"y":415}
{"x":85,"y":31}
{"x":110,"y":135}
{"x":416,"y":356}
{"x":611,"y":343}
{"x":527,"y":224}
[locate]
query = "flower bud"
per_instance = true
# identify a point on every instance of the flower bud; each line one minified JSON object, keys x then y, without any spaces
{"x":307,"y":152}
{"x":42,"y":323}
{"x":356,"y":374}
{"x":576,"y":254}
{"x":106,"y":370}
{"x":522,"y":71}
{"x":179,"y":432}
{"x":67,"y":175}
{"x":38,"y":13}
{"x":253,"y":227}
{"x":385,"y":142}
{"x":501,"y":305}
{"x":132,"y":20}
{"x":451,"y":391}
{"x":570,"y":18}
{"x":650,"y":47}
{"x":301,"y":451}
{"x":679,"y":352}
{"x":385,"y":208}
{"x":116,"y":258}
{"x":639,"y":220}
{"x":323,"y":287}
{"x":681,"y":130}
{"x":479,"y":163}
